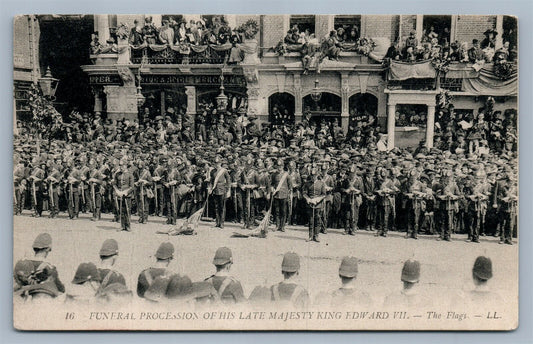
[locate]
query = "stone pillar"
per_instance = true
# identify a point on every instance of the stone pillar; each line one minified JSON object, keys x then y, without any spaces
{"x":322,"y":26}
{"x":298,"y":107}
{"x":156,"y":19}
{"x":499,"y":29}
{"x":98,"y":104}
{"x":163,"y":107}
{"x":419,"y":27}
{"x":391,"y":126}
{"x":190,"y":91}
{"x":102,"y":26}
{"x":430,"y":128}
{"x":121,"y":102}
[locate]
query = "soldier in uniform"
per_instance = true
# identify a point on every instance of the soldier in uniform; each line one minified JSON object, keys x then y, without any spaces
{"x":84,"y":187}
{"x":314,"y":193}
{"x":38,"y":271}
{"x":248,"y":184}
{"x":351,"y":188}
{"x":288,"y":292}
{"x":229,"y":290}
{"x":281,"y":184}
{"x":96,"y":184}
{"x":386,"y":202}
{"x":295,"y":192}
{"x":220,"y":187}
{"x":85,"y":284}
{"x":415,"y":199}
{"x":477,"y":207}
{"x":53,"y":179}
{"x":448,"y":193}
{"x":36,"y":178}
{"x":329,"y":183}
{"x":348,"y":294}
{"x":163,"y":256}
{"x":506,"y":193}
{"x":109,"y":277}
{"x":409,"y":297}
{"x":144,"y":184}
{"x":72,"y":190}
{"x":157,"y":176}
{"x":123,"y":185}
{"x":19,"y":180}
{"x":369,"y":199}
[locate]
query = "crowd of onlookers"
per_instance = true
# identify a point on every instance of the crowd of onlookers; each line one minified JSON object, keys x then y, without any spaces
{"x":433,"y":45}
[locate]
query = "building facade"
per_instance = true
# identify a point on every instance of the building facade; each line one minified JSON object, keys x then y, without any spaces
{"x":127,"y":80}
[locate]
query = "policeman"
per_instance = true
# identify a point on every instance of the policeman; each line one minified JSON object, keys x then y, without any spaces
{"x":163,"y":256}
{"x":348,"y":294}
{"x":288,"y":292}
{"x":481,"y":295}
{"x":19,"y":180}
{"x":108,"y":257}
{"x":409,"y":297}
{"x":228,"y":288}
{"x":85,"y":284}
{"x":40,"y":270}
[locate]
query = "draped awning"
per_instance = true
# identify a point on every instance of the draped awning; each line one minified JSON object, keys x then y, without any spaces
{"x":408,"y":70}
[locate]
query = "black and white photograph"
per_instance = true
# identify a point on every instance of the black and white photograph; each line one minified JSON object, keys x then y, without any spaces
{"x":265,"y":172}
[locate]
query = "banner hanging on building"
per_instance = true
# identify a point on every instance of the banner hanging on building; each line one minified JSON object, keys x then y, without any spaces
{"x":407,"y":70}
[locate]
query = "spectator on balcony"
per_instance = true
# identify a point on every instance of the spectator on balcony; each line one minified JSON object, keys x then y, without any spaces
{"x":136,"y":34}
{"x":199,"y":32}
{"x":411,"y":41}
{"x":489,"y":40}
{"x":166,"y":34}
{"x":410,"y":55}
{"x":431,"y":34}
{"x":331,"y":46}
{"x":181,"y":33}
{"x":461,"y":53}
{"x":394,"y":52}
{"x":353,"y":35}
{"x":475,"y":54}
{"x":149,"y":31}
{"x":95,"y":44}
{"x":292,"y":36}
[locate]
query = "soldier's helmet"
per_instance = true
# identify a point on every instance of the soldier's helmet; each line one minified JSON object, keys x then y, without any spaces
{"x":411,"y":271}
{"x":291,"y":262}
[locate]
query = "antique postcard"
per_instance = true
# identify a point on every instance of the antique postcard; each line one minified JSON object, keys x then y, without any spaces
{"x":265,"y":172}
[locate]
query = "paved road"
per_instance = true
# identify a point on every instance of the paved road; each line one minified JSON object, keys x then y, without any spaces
{"x":446,"y":266}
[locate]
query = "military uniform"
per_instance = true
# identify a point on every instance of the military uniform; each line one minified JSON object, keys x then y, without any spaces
{"x":73,"y":192}
{"x":219,"y":191}
{"x":351,"y":187}
{"x":315,"y":188}
{"x":19,"y":180}
{"x":144,"y":185}
{"x":282,"y":184}
{"x":124,"y":181}
{"x":248,"y":184}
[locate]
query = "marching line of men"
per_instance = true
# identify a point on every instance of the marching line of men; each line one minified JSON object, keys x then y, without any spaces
{"x":36,"y":280}
{"x":348,"y":196}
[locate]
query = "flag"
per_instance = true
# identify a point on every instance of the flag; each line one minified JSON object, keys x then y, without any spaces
{"x":188,"y":227}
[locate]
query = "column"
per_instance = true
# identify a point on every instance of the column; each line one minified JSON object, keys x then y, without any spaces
{"x":430,"y":128}
{"x":102,"y":26}
{"x":419,"y":27}
{"x":391,"y":125}
{"x":97,"y":102}
{"x":163,"y":108}
{"x":190,"y":91}
{"x":499,"y":29}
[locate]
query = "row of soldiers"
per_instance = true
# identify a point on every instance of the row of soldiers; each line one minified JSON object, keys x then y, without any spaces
{"x":36,"y":280}
{"x":335,"y":189}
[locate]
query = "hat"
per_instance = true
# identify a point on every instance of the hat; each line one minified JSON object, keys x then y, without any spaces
{"x":109,"y":248}
{"x":86,"y":272}
{"x":222,"y":256}
{"x":43,"y":240}
{"x":23,"y":269}
{"x":482,"y":268}
{"x":291,"y":262}
{"x":179,"y":287}
{"x":165,"y":251}
{"x":348,"y":267}
{"x":411,"y":271}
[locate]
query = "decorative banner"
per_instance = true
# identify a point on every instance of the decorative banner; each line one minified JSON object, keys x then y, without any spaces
{"x":407,"y":70}
{"x":489,"y":84}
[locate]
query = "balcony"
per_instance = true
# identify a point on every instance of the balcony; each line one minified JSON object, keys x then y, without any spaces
{"x":181,"y":54}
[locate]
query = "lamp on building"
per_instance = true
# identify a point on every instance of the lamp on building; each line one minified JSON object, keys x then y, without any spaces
{"x":222,"y":99}
{"x":48,"y":84}
{"x":316,"y":94}
{"x":140,"y":97}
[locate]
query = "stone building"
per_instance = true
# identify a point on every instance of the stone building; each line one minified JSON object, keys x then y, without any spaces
{"x":126,"y":80}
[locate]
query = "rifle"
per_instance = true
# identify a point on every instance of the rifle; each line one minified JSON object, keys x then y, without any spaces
{"x":71,"y":197}
{"x":51,"y":195}
{"x":155,"y":192}
{"x":142,"y":199}
{"x":93,"y":196}
{"x":34,"y":194}
{"x":82,"y":193}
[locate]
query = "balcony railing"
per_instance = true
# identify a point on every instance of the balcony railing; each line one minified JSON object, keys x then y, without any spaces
{"x":209,"y":54}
